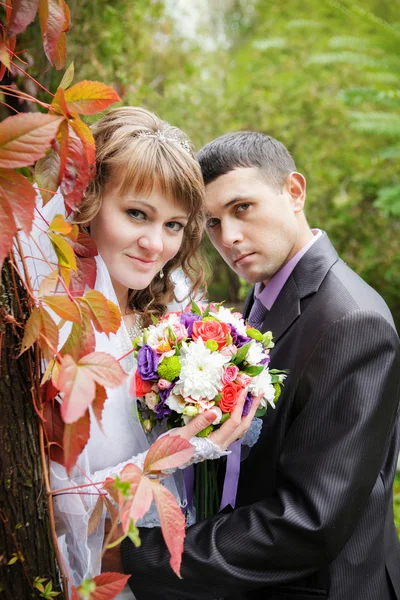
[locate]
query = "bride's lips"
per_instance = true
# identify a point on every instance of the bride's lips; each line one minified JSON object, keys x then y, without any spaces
{"x":142,"y":262}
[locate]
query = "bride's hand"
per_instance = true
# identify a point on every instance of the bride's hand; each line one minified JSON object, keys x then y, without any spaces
{"x":233,"y":429}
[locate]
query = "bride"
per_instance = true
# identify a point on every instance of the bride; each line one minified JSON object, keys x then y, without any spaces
{"x":144,"y":210}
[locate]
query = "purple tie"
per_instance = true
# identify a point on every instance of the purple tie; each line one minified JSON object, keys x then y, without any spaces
{"x":257,"y":314}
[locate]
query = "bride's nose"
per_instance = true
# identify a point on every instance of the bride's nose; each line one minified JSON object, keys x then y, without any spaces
{"x":152,"y":243}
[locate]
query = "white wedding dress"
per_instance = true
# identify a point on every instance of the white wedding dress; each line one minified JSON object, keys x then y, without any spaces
{"x":122,"y":440}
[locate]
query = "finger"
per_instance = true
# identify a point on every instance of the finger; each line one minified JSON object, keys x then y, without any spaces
{"x":196,"y":425}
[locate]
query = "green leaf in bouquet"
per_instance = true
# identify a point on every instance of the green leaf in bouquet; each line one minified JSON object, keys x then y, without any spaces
{"x":253,"y":371}
{"x":205,"y":432}
{"x":154,"y":319}
{"x":195,"y":308}
{"x":261,"y":412}
{"x":145,"y":335}
{"x":254,"y":334}
{"x":206,"y":311}
{"x":278,"y":392}
{"x":224,"y":418}
{"x":217,"y":399}
{"x":171,"y":334}
{"x":267,"y":340}
{"x":229,"y":340}
{"x":241,"y":353}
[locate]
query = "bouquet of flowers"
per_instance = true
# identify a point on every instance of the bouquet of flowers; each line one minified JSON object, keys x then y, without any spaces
{"x":199,"y":359}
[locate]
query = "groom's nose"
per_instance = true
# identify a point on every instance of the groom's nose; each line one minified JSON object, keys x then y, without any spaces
{"x":231,"y":234}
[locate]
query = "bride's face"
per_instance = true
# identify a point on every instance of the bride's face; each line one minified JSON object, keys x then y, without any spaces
{"x":136,"y":236}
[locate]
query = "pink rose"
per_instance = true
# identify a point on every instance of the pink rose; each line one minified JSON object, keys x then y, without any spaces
{"x":163,"y":384}
{"x":180,"y":331}
{"x":228,"y":351}
{"x":243,"y":380}
{"x":211,"y":330}
{"x":230,"y":374}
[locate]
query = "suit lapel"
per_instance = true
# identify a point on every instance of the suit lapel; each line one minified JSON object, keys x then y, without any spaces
{"x":304,"y":281}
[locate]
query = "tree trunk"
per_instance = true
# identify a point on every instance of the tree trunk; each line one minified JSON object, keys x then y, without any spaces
{"x":25,"y":533}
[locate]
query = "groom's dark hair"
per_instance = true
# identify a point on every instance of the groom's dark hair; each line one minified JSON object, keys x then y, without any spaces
{"x":246,"y":149}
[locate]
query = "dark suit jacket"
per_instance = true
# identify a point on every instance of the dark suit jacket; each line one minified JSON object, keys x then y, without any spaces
{"x":314,"y":512}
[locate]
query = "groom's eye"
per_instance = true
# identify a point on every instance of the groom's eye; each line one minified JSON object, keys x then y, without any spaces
{"x":242,"y":207}
{"x":213,"y":222}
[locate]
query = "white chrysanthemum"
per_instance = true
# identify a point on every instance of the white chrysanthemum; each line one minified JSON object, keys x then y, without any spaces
{"x":263,"y":383}
{"x":157,"y":333}
{"x":176,"y":403}
{"x":255,"y":354}
{"x":225,"y":315}
{"x":201,"y":371}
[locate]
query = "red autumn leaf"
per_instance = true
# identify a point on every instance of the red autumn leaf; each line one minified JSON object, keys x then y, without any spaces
{"x":4,"y":54}
{"x":62,"y":141}
{"x":76,"y":436}
{"x":85,"y":245}
{"x":98,"y":403}
{"x":87,"y":271}
{"x":76,"y":175}
{"x":86,"y":136}
{"x":24,"y":138}
{"x":77,"y":380}
{"x":96,"y":515}
{"x":90,"y":97}
{"x":172,"y":521}
{"x":81,"y":340}
{"x":47,"y":175}
{"x":141,"y":496}
{"x":167,"y":452}
{"x":20,"y":195}
{"x":54,"y":21}
{"x":64,"y":307}
{"x":108,"y":585}
{"x":54,"y":427}
{"x":8,"y":10}
{"x":23,"y":13}
{"x":8,"y":228}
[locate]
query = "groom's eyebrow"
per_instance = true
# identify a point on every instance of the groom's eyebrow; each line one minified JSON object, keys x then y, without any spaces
{"x":230,"y":203}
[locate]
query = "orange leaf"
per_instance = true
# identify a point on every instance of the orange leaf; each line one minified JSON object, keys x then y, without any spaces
{"x":59,"y":104}
{"x":54,"y":427}
{"x":7,"y":46}
{"x":98,"y":403}
{"x":104,"y":369}
{"x":108,"y":585}
{"x":20,"y":195}
{"x":76,"y":436}
{"x":172,"y":523}
{"x":141,"y":496}
{"x":86,"y":136}
{"x":64,"y":307}
{"x":60,"y":53}
{"x":8,"y":227}
{"x":60,"y":225}
{"x":8,"y":10}
{"x":115,"y":316}
{"x":64,"y":251}
{"x":23,"y":13}
{"x":81,"y":340}
{"x":76,"y":381}
{"x":90,"y":97}
{"x":96,"y":515}
{"x":32,"y":330}
{"x":47,"y":175}
{"x":49,"y":284}
{"x":4,"y":54}
{"x":167,"y":452}
{"x":101,"y":312}
{"x":49,"y":334}
{"x":24,"y":138}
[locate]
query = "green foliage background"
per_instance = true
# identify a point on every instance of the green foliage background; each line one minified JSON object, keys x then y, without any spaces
{"x":320,"y":75}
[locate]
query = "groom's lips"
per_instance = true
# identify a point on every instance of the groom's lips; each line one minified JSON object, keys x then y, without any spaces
{"x":243,"y":258}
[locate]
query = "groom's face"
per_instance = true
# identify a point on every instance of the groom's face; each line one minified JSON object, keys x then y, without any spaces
{"x":254,"y":227}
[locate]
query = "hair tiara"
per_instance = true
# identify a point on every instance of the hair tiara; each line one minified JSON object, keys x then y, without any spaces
{"x":167,"y":138}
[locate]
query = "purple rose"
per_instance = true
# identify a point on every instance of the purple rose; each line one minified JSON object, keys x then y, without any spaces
{"x":147,"y":361}
{"x":238,"y":338}
{"x":187,"y":319}
{"x":247,"y":405}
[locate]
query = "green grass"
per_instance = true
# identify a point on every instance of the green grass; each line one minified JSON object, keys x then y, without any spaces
{"x":396,"y":500}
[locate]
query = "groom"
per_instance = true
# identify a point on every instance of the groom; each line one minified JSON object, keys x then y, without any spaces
{"x":313,"y":517}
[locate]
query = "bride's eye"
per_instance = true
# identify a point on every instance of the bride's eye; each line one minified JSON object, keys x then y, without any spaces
{"x":212,"y":222}
{"x":137,"y":214}
{"x":175,"y":226}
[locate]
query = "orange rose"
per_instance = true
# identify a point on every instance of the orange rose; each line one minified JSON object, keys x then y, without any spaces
{"x":141,"y":387}
{"x":230,"y":395}
{"x":211,"y":330}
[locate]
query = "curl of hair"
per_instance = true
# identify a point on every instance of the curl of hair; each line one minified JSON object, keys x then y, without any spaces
{"x":138,"y":163}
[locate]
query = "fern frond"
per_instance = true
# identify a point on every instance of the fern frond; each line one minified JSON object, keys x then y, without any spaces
{"x":278,"y":42}
{"x":390,"y":152}
{"x":303,"y":23}
{"x":352,"y":43}
{"x":388,"y":201}
{"x":378,"y":123}
{"x":386,"y":62}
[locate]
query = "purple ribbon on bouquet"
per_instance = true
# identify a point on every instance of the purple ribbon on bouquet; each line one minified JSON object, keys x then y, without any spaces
{"x":232,"y":473}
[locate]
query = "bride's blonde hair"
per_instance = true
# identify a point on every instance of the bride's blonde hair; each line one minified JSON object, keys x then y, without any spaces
{"x":136,"y":148}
